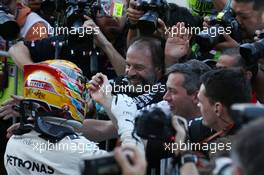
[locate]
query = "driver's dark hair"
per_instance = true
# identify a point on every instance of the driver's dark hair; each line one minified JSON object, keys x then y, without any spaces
{"x":228,"y":86}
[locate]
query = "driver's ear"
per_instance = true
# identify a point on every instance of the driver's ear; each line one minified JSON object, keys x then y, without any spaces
{"x":218,"y":109}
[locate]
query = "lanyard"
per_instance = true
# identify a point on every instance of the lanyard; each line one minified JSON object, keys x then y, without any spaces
{"x":219,"y":133}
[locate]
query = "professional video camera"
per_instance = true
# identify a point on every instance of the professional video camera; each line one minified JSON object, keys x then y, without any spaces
{"x":154,"y":124}
{"x":209,"y":38}
{"x":153,"y":9}
{"x":251,"y":52}
{"x":52,"y":11}
{"x":76,"y":9}
{"x":244,"y":113}
{"x":9,"y":29}
{"x":79,"y":39}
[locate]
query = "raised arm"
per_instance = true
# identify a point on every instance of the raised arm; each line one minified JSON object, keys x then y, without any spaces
{"x":20,"y":54}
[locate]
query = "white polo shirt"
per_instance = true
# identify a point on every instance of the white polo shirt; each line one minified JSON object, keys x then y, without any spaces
{"x":29,"y":154}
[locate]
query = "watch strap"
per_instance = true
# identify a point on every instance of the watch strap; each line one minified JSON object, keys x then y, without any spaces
{"x":189,"y":158}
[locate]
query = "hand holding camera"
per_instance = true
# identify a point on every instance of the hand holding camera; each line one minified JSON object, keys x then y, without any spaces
{"x":134,"y":164}
{"x":222,"y":31}
{"x":125,"y":160}
{"x":181,"y":126}
{"x":154,"y":124}
{"x":228,"y":43}
{"x":132,"y":13}
{"x":252,"y":52}
{"x":144,"y":14}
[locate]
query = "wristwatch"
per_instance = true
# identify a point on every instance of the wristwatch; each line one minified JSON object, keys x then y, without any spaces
{"x":187,"y":158}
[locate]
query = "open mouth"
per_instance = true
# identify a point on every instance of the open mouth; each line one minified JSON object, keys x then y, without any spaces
{"x":135,"y":81}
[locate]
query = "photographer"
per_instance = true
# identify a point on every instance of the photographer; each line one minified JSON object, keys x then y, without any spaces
{"x":29,"y":22}
{"x":145,"y":18}
{"x":178,"y":44}
{"x":28,"y":52}
{"x":235,"y":24}
{"x":249,"y":15}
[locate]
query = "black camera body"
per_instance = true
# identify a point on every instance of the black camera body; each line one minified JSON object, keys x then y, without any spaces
{"x":105,"y":164}
{"x":153,"y":9}
{"x":102,"y":165}
{"x":225,"y":19}
{"x":154,"y":124}
{"x":76,"y":9}
{"x":252,"y":52}
{"x":9,"y":29}
{"x":244,"y":113}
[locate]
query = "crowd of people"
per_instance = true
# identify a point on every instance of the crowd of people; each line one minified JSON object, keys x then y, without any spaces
{"x":152,"y":86}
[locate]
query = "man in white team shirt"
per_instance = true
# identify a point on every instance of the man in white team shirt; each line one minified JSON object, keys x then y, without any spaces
{"x":54,"y":104}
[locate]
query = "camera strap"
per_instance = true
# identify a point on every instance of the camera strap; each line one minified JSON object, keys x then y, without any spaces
{"x":218,"y":134}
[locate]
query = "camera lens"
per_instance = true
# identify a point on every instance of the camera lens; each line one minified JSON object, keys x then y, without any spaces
{"x":252,"y":51}
{"x":148,"y":23}
{"x":209,"y":38}
{"x":9,"y":29}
